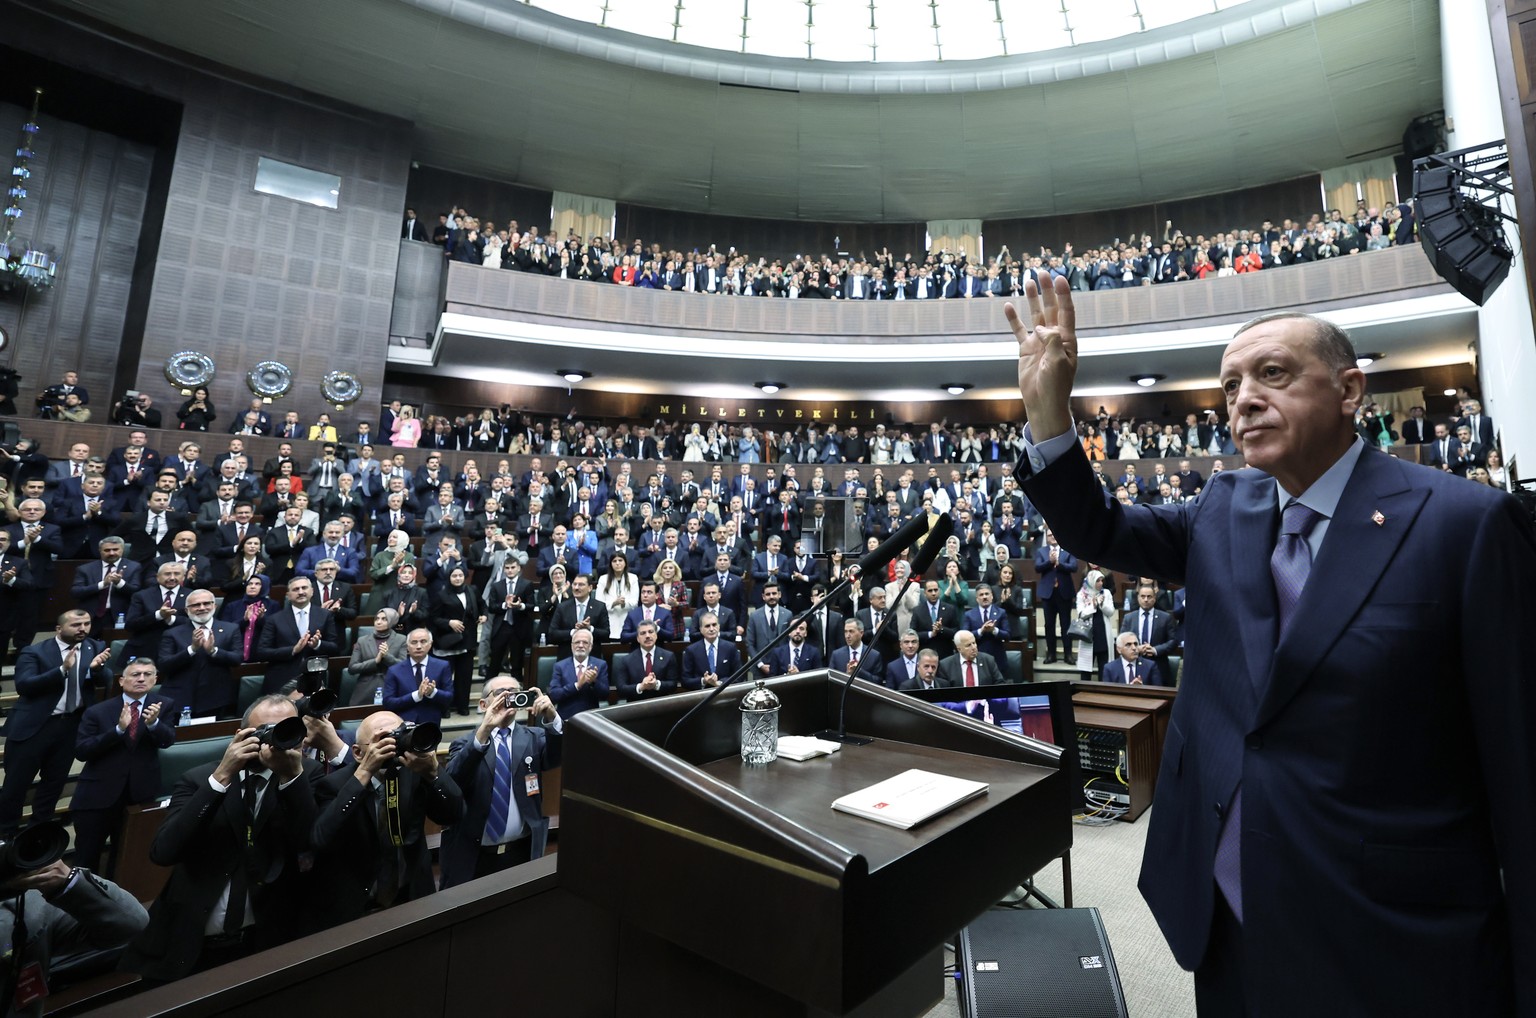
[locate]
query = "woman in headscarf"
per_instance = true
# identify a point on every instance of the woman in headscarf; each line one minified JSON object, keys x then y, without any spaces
{"x":249,"y":611}
{"x":1097,"y":605}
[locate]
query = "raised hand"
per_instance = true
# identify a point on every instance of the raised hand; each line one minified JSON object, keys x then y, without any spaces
{"x":1047,"y":356}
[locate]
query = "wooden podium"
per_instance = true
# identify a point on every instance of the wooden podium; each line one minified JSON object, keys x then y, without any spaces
{"x":740,"y":890}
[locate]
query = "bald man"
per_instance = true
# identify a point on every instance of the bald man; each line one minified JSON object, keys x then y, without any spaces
{"x":384,"y":788}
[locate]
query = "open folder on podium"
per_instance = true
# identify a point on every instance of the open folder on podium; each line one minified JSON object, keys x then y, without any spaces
{"x":752,"y":879}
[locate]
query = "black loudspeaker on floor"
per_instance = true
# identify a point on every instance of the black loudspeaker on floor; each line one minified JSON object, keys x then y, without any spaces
{"x":1038,"y":963}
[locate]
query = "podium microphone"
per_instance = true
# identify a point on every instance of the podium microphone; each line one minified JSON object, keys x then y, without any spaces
{"x":877,"y":559}
{"x":938,"y":534}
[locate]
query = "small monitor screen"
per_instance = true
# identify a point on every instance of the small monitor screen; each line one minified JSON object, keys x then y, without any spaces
{"x":1026,"y":715}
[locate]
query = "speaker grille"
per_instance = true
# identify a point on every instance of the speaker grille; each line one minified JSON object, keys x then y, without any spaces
{"x":1039,"y":963}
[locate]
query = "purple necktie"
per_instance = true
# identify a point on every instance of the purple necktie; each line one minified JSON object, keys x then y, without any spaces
{"x":1290,"y":564}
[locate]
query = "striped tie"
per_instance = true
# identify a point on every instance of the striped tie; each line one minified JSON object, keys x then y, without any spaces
{"x":501,"y":790}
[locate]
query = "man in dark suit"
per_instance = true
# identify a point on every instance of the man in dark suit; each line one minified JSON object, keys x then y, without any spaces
{"x":1054,"y":591}
{"x":498,"y":771}
{"x":1156,"y":634}
{"x":1443,"y":449}
{"x":183,"y":553}
{"x":648,"y":670}
{"x":1416,"y":428}
{"x":796,"y":654}
{"x":968,"y":666}
{"x":855,"y":652}
{"x":285,"y":544}
{"x":56,"y":680}
{"x":103,"y":588}
{"x":1469,"y":452}
{"x":581,"y":612}
{"x":873,"y":616}
{"x":826,"y":625}
{"x":419,"y":688}
{"x":356,"y":868}
{"x":196,"y":657}
{"x":234,"y":834}
{"x":1277,"y":835}
{"x":348,"y":567}
{"x":926,"y":674}
{"x":990,"y":625}
{"x":33,"y":544}
{"x":766,"y":623}
{"x":510,"y":605}
{"x":1478,"y":423}
{"x":119,"y":741}
{"x":579,"y":682}
{"x":648,"y":611}
{"x":1128,"y":667}
{"x":149,"y":532}
{"x":709,"y":660}
{"x":152,"y":611}
{"x":935,"y":621}
{"x":733,"y":593}
{"x":84,"y":518}
{"x":291,"y":637}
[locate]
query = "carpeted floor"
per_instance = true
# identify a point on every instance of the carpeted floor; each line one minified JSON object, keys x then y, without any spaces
{"x":1105,"y":864}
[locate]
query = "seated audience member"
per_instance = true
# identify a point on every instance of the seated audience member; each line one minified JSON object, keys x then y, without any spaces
{"x":498,"y":769}
{"x":234,"y":835}
{"x":648,"y":670}
{"x":967,"y":666}
{"x":579,"y":682}
{"x":119,"y":742}
{"x":709,"y":660}
{"x":385,"y":791}
{"x":1129,"y":666}
{"x":796,"y":654}
{"x":927,"y":676}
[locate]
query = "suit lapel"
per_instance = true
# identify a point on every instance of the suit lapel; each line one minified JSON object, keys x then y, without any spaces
{"x":1255,"y":519}
{"x":1355,"y":552}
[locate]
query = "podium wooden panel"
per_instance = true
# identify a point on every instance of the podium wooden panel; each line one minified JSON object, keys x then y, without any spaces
{"x":782,"y":892}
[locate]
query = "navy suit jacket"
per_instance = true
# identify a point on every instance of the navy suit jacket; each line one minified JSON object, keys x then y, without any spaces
{"x":40,"y":683}
{"x":1165,"y":637}
{"x":203,"y":681}
{"x":1055,"y":582}
{"x":87,"y":594}
{"x":113,"y":762}
{"x":349,"y":566}
{"x":400,"y":682}
{"x":568,"y":697}
{"x":696,"y":662}
{"x":1348,"y":866}
{"x":872,"y":669}
{"x":778,"y":658}
{"x":1146,"y":671}
{"x":274,"y":645}
{"x":629,"y":671}
{"x":474,"y":771}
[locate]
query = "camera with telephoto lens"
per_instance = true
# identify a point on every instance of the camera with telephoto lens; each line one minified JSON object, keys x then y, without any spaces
{"x":285,"y":734}
{"x":317,"y":704}
{"x":521,"y":699}
{"x":413,"y":737}
{"x":32,"y":849}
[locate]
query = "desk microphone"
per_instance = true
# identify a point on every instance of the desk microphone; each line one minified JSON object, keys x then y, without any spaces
{"x":876,"y":559}
{"x":932,"y":545}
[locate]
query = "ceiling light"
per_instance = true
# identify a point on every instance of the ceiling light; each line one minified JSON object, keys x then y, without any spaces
{"x":956,"y":388}
{"x":574,"y":376}
{"x":1450,"y":392}
{"x":769,"y":387}
{"x":1365,"y":360}
{"x":1147,"y":380}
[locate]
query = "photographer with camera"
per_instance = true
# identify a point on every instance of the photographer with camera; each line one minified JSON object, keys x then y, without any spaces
{"x":370,"y":847}
{"x":234,"y":833}
{"x":48,"y":910}
{"x":498,"y":768}
{"x":136,"y":410}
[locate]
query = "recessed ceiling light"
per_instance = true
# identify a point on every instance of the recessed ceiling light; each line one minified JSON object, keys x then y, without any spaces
{"x":957,"y":388}
{"x":1147,"y":380}
{"x":1365,"y":360}
{"x":573,"y":375}
{"x":769,"y":387}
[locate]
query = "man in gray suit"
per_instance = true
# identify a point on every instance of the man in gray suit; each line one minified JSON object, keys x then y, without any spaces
{"x":766,"y":623}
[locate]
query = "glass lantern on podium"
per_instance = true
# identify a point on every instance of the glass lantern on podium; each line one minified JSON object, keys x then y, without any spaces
{"x":759,"y":725}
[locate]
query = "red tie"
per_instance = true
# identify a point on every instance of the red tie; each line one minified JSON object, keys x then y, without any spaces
{"x":970,"y":673}
{"x":133,"y":719}
{"x":648,"y":663}
{"x":325,"y":593}
{"x":170,"y":598}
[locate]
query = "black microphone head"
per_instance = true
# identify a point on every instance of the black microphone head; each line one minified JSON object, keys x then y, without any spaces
{"x":892,"y":546}
{"x":938,"y":533}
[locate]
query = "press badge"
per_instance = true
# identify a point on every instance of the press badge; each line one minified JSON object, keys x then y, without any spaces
{"x":31,"y":987}
{"x":530,"y":780}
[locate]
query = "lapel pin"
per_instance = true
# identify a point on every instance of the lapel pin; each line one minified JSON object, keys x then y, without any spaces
{"x":1377,"y":518}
